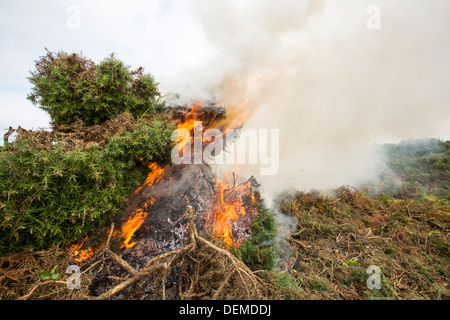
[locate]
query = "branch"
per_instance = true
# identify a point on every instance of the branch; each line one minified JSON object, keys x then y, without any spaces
{"x":149,"y":269}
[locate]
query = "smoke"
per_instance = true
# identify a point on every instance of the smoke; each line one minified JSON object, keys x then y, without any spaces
{"x":333,"y":87}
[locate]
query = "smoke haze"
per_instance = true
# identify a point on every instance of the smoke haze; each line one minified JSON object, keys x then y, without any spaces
{"x":314,"y":70}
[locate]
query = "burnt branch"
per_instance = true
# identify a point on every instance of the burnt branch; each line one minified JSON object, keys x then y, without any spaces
{"x":7,"y":135}
{"x":194,"y":262}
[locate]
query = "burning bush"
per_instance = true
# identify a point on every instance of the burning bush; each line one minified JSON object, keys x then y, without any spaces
{"x":56,"y":188}
{"x":70,"y":85}
{"x":58,"y":185}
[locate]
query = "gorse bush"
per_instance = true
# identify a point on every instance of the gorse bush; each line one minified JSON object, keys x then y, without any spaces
{"x":57,"y":186}
{"x":70,"y":85}
{"x":54,"y":195}
{"x":259,"y":251}
{"x":144,"y":143}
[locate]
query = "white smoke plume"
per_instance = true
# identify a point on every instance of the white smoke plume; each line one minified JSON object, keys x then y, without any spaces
{"x":333,"y":86}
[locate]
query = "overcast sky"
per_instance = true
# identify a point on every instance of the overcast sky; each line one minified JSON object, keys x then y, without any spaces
{"x":163,"y":36}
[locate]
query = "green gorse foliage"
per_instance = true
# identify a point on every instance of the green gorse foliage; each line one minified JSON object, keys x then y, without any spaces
{"x":70,"y":85}
{"x":259,"y":251}
{"x":54,"y":196}
{"x":55,"y":192}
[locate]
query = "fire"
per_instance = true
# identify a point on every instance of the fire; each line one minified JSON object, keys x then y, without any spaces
{"x":189,"y":123}
{"x":139,"y":215}
{"x":81,"y":254}
{"x":225,"y":212}
{"x":224,"y":216}
{"x":153,"y":177}
{"x":227,"y":209}
{"x":135,"y":222}
{"x":131,"y":225}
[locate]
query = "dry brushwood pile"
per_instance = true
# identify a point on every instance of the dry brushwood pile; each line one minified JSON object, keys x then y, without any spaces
{"x":205,"y":271}
{"x":337,"y":238}
{"x":76,"y":134}
{"x":201,"y":268}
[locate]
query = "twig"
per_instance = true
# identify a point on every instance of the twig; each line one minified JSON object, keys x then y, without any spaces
{"x":7,"y":135}
{"x":165,"y":270}
{"x":122,"y":262}
{"x":216,"y":294}
{"x":111,"y":230}
{"x":25,"y":297}
{"x":111,"y":293}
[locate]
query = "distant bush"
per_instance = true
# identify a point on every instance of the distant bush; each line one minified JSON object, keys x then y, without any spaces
{"x":70,"y":85}
{"x":417,"y":168}
{"x":55,"y":194}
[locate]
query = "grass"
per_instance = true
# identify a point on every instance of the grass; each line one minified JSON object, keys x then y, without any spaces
{"x":340,"y":237}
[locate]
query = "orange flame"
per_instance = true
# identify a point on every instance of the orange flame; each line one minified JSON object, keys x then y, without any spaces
{"x":188,"y":123}
{"x":139,"y":215}
{"x":134,"y":223}
{"x":153,"y":177}
{"x":226,"y":212}
{"x":224,"y":216}
{"x":81,"y":255}
{"x":130,"y":226}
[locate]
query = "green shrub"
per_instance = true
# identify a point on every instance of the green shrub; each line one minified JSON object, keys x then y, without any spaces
{"x":54,"y":195}
{"x":259,"y":251}
{"x":145,"y":143}
{"x":416,"y":168}
{"x":70,"y":85}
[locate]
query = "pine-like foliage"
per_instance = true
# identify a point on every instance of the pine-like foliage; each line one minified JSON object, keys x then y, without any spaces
{"x":70,"y":85}
{"x":57,"y":186}
{"x":54,"y":194}
{"x":259,"y":251}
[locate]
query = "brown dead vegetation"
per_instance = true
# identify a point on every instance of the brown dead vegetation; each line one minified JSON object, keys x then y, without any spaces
{"x":78,"y":136}
{"x":205,"y":271}
{"x":339,"y":237}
